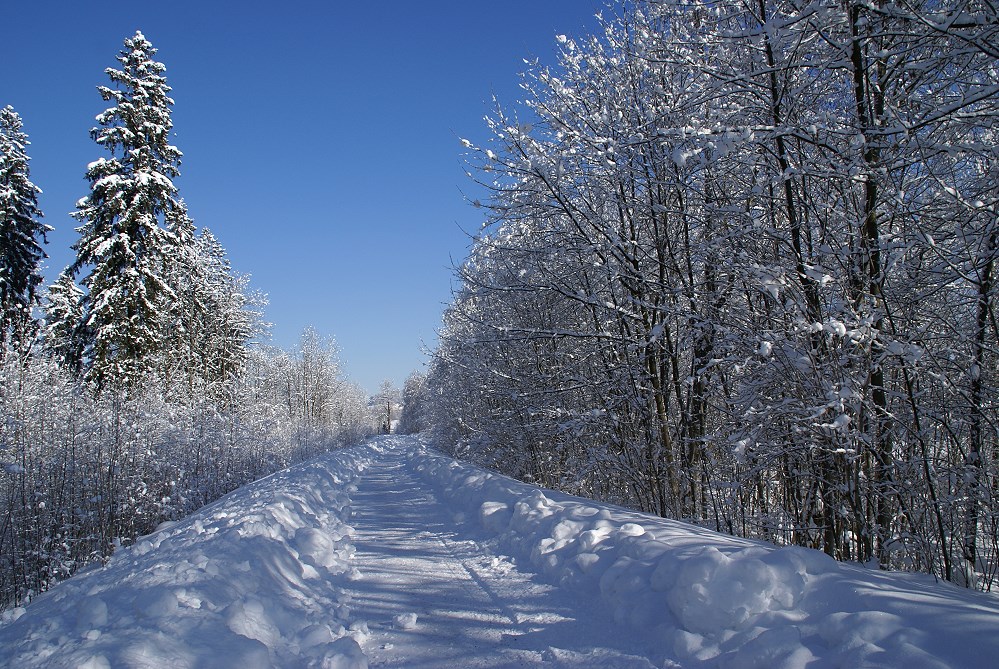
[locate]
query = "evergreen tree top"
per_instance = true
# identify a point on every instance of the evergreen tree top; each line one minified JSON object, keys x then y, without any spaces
{"x":137,"y":127}
{"x":13,"y":155}
{"x":11,"y":128}
{"x":135,"y":131}
{"x":21,"y":232}
{"x":18,"y":195}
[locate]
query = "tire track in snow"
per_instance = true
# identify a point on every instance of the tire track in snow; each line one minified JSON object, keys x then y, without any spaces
{"x":431,"y":597}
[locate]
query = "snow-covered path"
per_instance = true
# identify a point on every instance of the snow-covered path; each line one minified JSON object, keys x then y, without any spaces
{"x":431,"y":598}
{"x":389,"y":554}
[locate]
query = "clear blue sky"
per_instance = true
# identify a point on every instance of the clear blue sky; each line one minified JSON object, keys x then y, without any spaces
{"x":320,"y":141}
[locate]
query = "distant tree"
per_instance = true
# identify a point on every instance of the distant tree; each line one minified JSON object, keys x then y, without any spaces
{"x":314,"y":379}
{"x":413,"y":404}
{"x":20,"y":234}
{"x":133,"y":223}
{"x":386,"y":404}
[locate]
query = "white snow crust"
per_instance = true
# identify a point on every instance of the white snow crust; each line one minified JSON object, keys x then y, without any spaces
{"x":392,"y":554}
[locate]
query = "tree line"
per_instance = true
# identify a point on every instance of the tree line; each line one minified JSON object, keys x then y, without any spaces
{"x":739,"y":268}
{"x":136,"y":388}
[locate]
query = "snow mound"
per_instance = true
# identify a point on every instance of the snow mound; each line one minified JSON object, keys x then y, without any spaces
{"x":405,"y":621}
{"x":254,"y":580}
{"x":719,"y":601}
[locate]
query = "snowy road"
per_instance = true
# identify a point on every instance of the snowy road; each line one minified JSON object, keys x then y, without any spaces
{"x":431,"y":598}
{"x":389,"y":554}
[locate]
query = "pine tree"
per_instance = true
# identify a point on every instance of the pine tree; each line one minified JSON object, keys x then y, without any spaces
{"x":133,"y":222}
{"x":20,"y":231}
{"x":211,"y":320}
{"x":232,"y":313}
{"x":62,"y":333}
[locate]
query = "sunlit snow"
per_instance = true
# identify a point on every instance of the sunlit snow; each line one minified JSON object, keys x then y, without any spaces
{"x":389,"y":553}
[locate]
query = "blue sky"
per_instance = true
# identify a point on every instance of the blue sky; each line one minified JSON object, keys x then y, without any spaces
{"x":320,"y":140}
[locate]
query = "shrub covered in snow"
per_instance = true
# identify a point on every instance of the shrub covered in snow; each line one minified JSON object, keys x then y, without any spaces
{"x":82,"y":474}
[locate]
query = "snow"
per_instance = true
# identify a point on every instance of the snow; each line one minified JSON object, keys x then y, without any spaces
{"x":405,"y":621}
{"x":836,"y":327}
{"x":251,"y":581}
{"x":392,"y":554}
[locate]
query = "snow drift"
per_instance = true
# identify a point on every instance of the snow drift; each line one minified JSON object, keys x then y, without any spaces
{"x":250,"y":581}
{"x":263,"y":578}
{"x":716,"y":600}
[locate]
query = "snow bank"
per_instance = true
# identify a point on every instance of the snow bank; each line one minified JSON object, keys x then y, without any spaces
{"x":250,"y":581}
{"x":262,"y":579}
{"x":714,"y":600}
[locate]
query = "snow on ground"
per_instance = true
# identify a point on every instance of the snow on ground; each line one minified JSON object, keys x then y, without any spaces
{"x":389,"y":554}
{"x":254,"y":580}
{"x":431,"y":595}
{"x":711,"y":600}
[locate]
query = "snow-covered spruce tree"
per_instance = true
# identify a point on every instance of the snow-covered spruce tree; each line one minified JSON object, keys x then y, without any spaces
{"x":233,"y":315}
{"x":21,"y":234}
{"x":210,"y":322}
{"x":61,"y":333}
{"x":133,"y":223}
